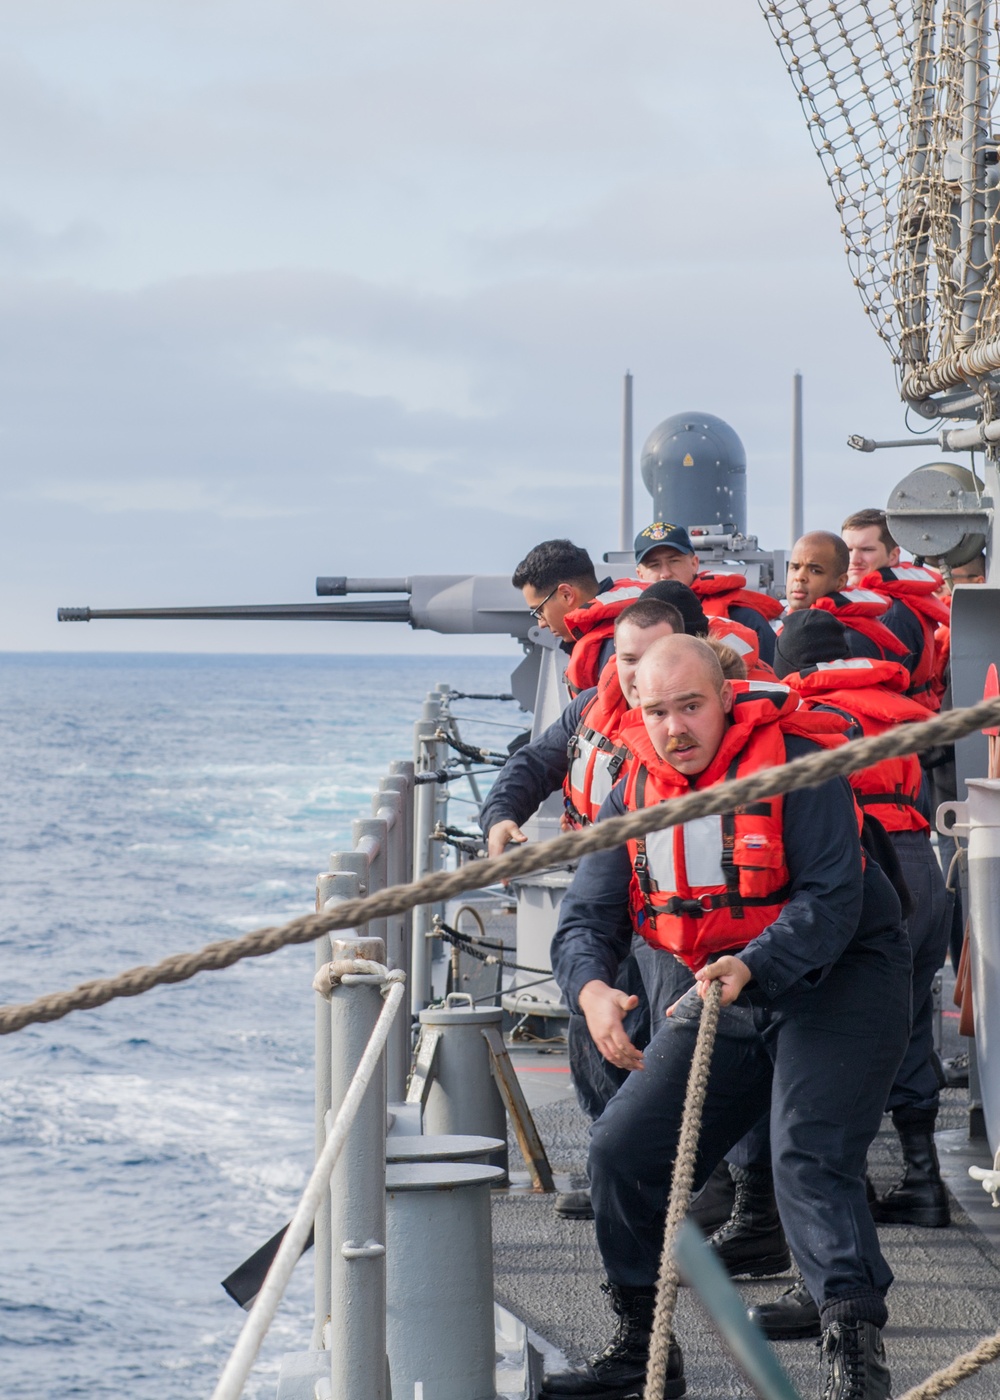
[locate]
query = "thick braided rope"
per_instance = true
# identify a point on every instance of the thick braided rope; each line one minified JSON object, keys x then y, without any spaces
{"x":572,"y":846}
{"x":680,"y":1192}
{"x":964,"y":1366}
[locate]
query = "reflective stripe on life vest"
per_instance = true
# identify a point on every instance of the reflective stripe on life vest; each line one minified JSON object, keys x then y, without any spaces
{"x":596,"y":759}
{"x":871,"y":693}
{"x":717,"y":882}
{"x":914,"y":586}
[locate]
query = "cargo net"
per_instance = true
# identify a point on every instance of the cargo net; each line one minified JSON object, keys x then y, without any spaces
{"x":898,"y":98}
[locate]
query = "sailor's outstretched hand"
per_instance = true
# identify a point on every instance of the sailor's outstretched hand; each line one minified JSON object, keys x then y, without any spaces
{"x":731,"y":972}
{"x":500,"y":835}
{"x":605,"y":1008}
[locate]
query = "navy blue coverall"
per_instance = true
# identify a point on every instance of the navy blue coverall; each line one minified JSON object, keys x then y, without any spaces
{"x":817,"y":1034}
{"x":528,"y":777}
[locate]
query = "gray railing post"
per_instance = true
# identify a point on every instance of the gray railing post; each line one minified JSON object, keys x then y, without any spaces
{"x":401,"y":778}
{"x":357,"y":1192}
{"x":387,"y":805}
{"x":328,"y":887}
{"x":428,"y":855}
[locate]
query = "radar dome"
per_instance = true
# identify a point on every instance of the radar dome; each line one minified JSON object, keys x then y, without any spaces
{"x":695,"y":468}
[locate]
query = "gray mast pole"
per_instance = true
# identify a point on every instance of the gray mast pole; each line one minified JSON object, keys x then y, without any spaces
{"x":795,"y":495}
{"x":626,"y":534}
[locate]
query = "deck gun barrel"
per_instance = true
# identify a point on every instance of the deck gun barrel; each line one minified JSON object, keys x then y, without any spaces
{"x":396,"y":610}
{"x":459,"y":604}
{"x":338,"y":586}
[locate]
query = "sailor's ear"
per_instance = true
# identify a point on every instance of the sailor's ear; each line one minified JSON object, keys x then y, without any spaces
{"x":841,"y":584}
{"x":726,"y":696}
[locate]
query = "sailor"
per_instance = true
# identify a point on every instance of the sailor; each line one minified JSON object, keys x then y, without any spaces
{"x":665,"y":551}
{"x":540,"y":768}
{"x":818,"y":578}
{"x":559,"y":584}
{"x":812,"y":658}
{"x":580,"y":752}
{"x":722,"y":630}
{"x":972,"y":572}
{"x":807,"y":941}
{"x":915,"y":613}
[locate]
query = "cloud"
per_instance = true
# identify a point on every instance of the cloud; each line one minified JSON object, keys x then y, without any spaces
{"x":23,"y":244}
{"x":352,"y":289}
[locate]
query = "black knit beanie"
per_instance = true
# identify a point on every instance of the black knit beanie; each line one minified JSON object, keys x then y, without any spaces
{"x":807,"y":637}
{"x":686,"y":603}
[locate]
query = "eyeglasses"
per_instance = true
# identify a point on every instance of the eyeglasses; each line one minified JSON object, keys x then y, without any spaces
{"x":536,"y":613}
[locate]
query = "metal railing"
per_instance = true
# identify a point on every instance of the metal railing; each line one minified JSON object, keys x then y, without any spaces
{"x":357,"y":1015}
{"x":363,"y":1051}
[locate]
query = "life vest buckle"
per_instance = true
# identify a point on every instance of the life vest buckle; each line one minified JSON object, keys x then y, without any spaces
{"x":693,"y":908}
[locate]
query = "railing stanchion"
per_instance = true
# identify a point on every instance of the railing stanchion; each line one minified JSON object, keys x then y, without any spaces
{"x":427,"y":854}
{"x":387,"y":805}
{"x":357,"y":1191}
{"x":329,"y":886}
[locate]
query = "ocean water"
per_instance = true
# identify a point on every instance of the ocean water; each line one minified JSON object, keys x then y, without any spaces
{"x":151,"y":804}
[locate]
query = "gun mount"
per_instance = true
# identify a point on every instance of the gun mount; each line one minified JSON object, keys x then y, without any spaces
{"x":467,"y":604}
{"x":727,"y":551}
{"x":459,"y":604}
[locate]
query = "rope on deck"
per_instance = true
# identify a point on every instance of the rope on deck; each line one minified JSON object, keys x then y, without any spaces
{"x":970,"y":1363}
{"x":964,"y":1366}
{"x":680,"y":1190}
{"x":571,"y":846}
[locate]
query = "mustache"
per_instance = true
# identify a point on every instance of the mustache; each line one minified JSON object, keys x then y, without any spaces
{"x":679,"y":742}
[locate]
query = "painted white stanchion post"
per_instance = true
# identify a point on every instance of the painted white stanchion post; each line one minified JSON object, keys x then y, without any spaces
{"x":439,"y":1323}
{"x":357,"y":1192}
{"x":328,"y":886}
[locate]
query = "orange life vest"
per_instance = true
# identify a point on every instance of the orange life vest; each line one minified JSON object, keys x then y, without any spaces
{"x":743,"y":640}
{"x":590,"y":626}
{"x":720,"y":592}
{"x":871,"y":694}
{"x":718,"y":882}
{"x":596,"y":759}
{"x":942,"y":656}
{"x":914,"y":585}
{"x":860,"y":609}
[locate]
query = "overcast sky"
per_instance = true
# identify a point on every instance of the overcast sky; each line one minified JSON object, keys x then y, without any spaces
{"x":306,"y":287}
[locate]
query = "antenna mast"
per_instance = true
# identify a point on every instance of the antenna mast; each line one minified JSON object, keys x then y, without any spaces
{"x":796,"y":493}
{"x":626,"y":533}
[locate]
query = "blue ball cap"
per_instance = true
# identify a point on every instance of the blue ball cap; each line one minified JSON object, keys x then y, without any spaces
{"x":662,"y":533}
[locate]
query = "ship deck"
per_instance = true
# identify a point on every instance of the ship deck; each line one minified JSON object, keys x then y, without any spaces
{"x":945,"y":1299}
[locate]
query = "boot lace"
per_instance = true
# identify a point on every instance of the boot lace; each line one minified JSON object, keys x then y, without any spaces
{"x":631,"y":1339}
{"x":847,"y":1364}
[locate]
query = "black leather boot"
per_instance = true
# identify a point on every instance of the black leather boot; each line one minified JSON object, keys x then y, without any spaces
{"x":713,"y":1204}
{"x":574,"y":1205}
{"x":789,"y":1318}
{"x":752,"y":1242}
{"x":920,"y":1197}
{"x":619,"y":1371}
{"x":854,"y":1362}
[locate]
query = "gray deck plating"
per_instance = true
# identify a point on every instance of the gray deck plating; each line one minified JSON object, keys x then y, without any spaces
{"x":945,"y":1299}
